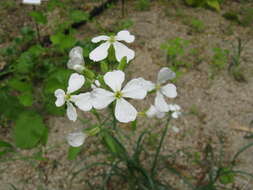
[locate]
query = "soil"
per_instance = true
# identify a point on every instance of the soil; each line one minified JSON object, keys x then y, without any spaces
{"x":216,"y":110}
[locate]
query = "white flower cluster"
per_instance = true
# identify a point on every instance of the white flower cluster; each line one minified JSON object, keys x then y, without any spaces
{"x":113,"y":91}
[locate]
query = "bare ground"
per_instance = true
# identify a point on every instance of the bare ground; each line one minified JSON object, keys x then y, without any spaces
{"x":212,"y":108}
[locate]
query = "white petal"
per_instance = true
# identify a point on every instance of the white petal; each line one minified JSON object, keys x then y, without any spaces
{"x":101,"y":98}
{"x":125,"y":36}
{"x":160,"y":103}
{"x":160,"y":114}
{"x":60,"y":95}
{"x":124,"y":111}
{"x":76,"y":52}
{"x":174,"y":107}
{"x":100,"y":53}
{"x":123,"y":51}
{"x":114,"y":79}
{"x":134,"y":89}
{"x":169,"y":90}
{"x":76,"y":81}
{"x":97,"y":83}
{"x":176,"y":114}
{"x":152,"y":111}
{"x":83,"y":101}
{"x":71,"y":112}
{"x":147,"y":85}
{"x":33,"y":2}
{"x":76,"y":139}
{"x":76,"y":61}
{"x":100,"y":38}
{"x":164,"y":75}
{"x":76,"y":64}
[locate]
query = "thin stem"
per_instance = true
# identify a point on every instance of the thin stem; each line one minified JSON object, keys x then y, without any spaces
{"x":158,"y":150}
{"x":37,"y":27}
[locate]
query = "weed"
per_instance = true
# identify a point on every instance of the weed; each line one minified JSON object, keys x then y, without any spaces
{"x":143,"y":5}
{"x":235,"y":63}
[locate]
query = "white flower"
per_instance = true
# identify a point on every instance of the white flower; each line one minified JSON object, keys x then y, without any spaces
{"x":101,"y":52}
{"x":76,"y":81}
{"x":76,"y":61}
{"x":153,"y":111}
{"x":33,"y":2}
{"x":124,"y":111}
{"x":169,"y":90}
{"x":76,"y":139}
{"x":96,"y":84}
{"x":175,"y":109}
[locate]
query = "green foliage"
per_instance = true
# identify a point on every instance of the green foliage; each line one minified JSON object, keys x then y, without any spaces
{"x":73,"y":152}
{"x":213,"y":4}
{"x":38,"y":17}
{"x":197,"y":25}
{"x":176,"y":50}
{"x":143,"y":5}
{"x":29,"y":129}
{"x":220,"y":58}
{"x":63,"y":41}
{"x":246,"y":18}
{"x":78,"y":16}
{"x":5,"y":147}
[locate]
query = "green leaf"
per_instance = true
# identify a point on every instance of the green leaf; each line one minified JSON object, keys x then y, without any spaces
{"x":73,"y":152}
{"x":24,"y":63}
{"x":26,"y":98}
{"x":20,"y":85}
{"x":5,"y":147}
{"x":28,"y":130}
{"x":39,"y":17}
{"x":63,"y":41}
{"x":227,"y":176}
{"x":10,"y":105}
{"x":78,"y":16}
{"x":214,"y":4}
{"x":123,"y":63}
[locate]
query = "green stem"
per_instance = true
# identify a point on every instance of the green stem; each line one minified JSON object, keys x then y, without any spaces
{"x":158,"y":150}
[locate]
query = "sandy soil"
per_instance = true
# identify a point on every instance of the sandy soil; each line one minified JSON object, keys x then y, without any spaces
{"x":212,"y":108}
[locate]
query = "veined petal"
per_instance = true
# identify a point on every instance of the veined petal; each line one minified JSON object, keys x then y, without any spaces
{"x":76,"y":81}
{"x":160,"y":103}
{"x":134,"y":89}
{"x":100,"y":38}
{"x":123,"y":51}
{"x":100,"y":53}
{"x":71,"y":112}
{"x":83,"y":101}
{"x":169,"y":90}
{"x":76,"y":64}
{"x":151,"y":112}
{"x":125,"y":35}
{"x":76,"y":139}
{"x":101,"y":98}
{"x":114,"y":79}
{"x":76,"y":52}
{"x":60,"y":95}
{"x":147,"y":85}
{"x":164,"y":75}
{"x":124,"y":111}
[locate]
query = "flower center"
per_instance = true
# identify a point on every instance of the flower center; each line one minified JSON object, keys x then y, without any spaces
{"x":67,"y":97}
{"x":112,"y":39}
{"x":118,"y":94}
{"x":158,"y":87}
